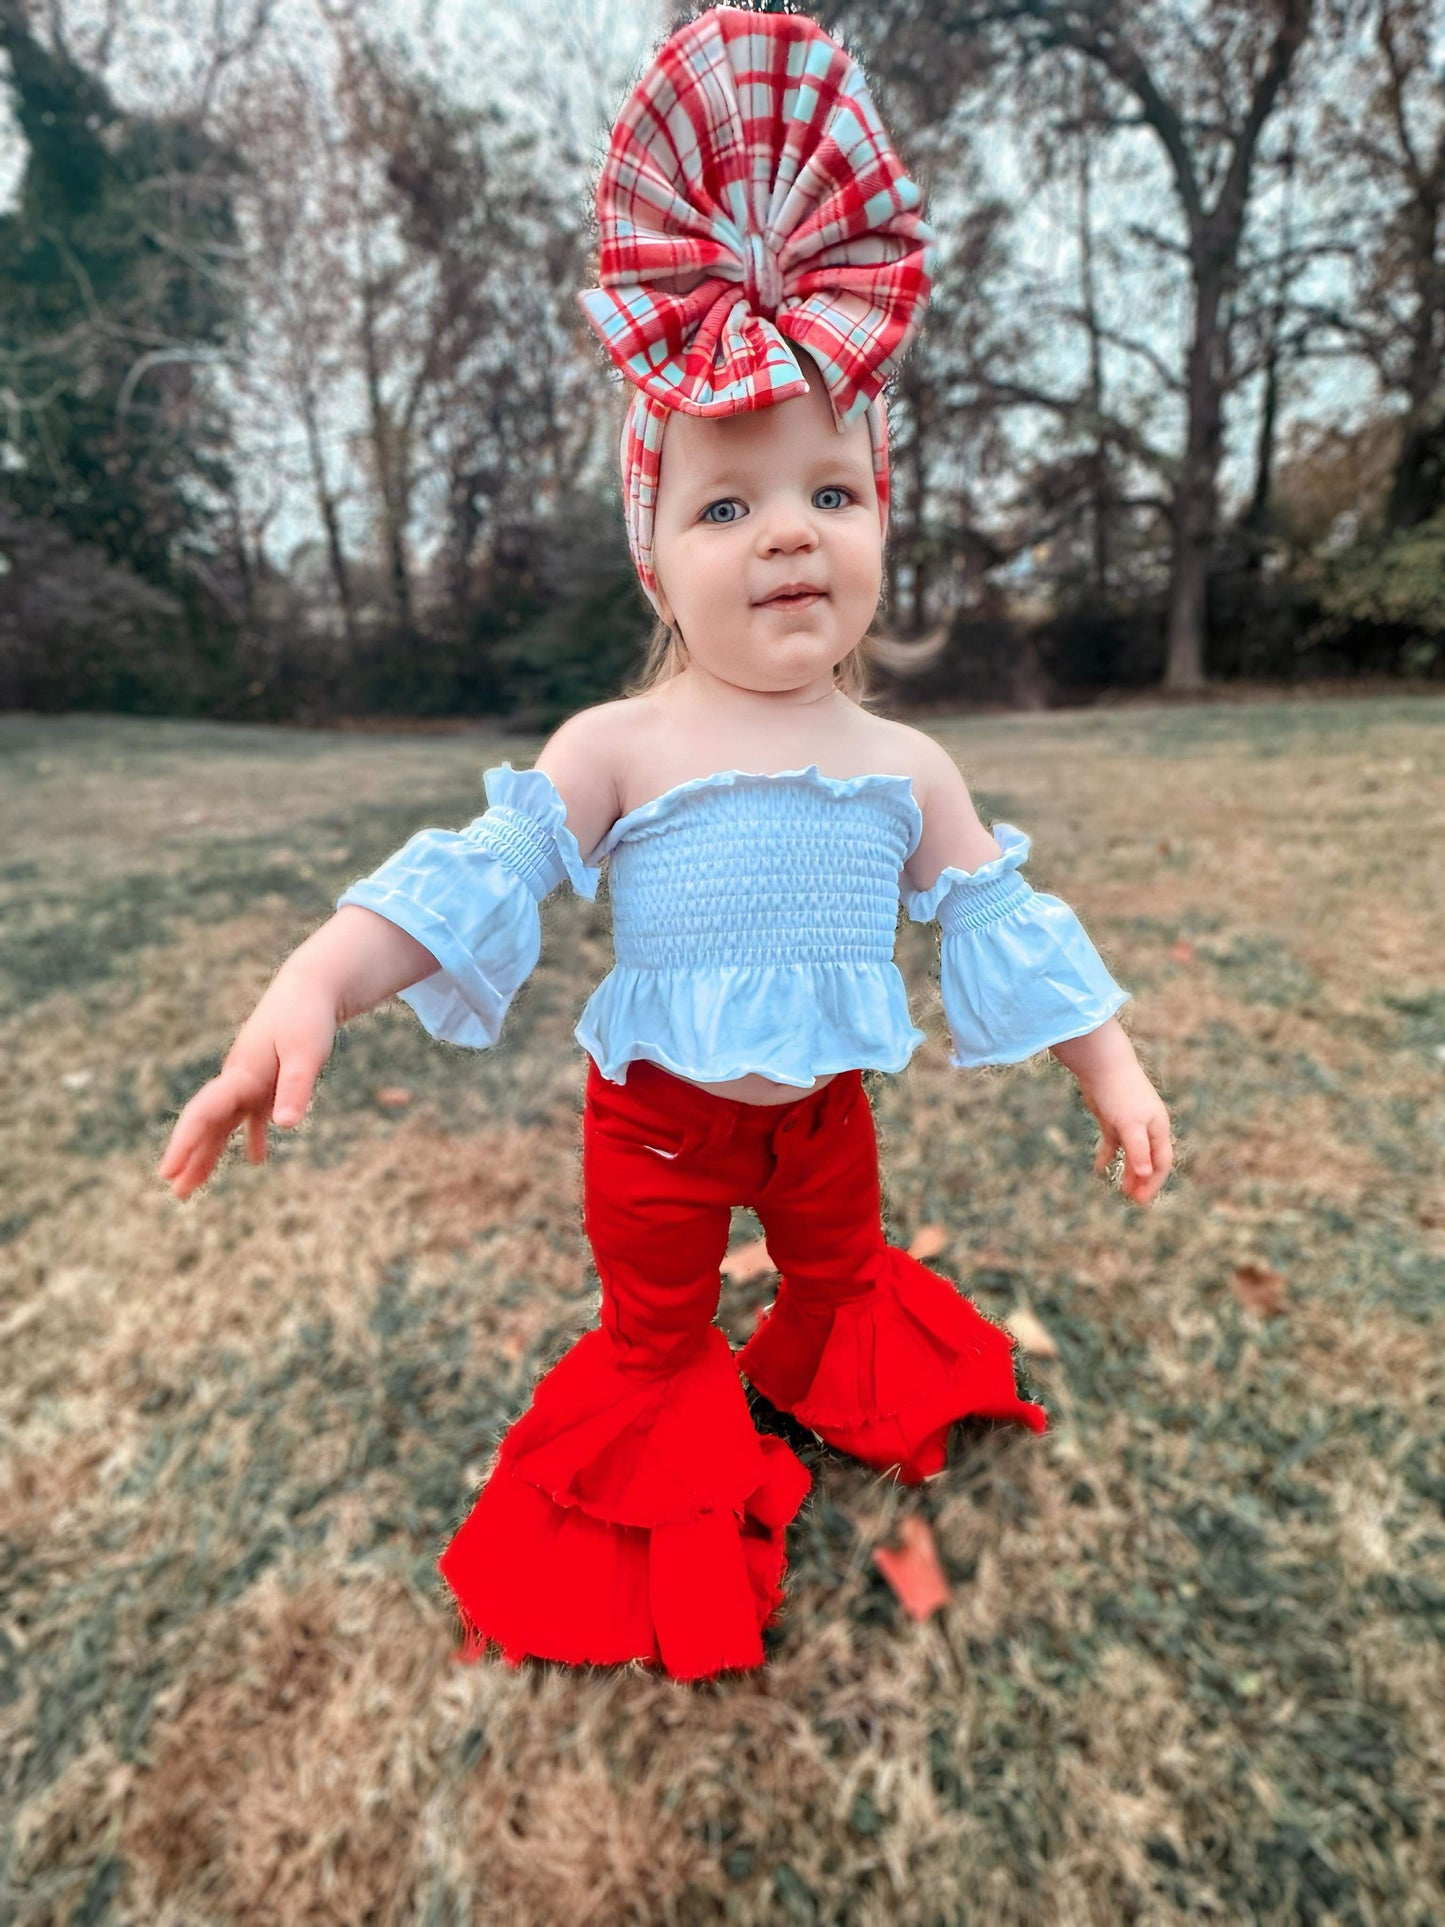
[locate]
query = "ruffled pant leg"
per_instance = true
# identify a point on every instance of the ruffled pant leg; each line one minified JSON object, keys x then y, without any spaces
{"x":864,"y":1344}
{"x":634,"y":1511}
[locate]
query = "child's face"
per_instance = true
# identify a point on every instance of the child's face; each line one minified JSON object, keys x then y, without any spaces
{"x":748,"y":503}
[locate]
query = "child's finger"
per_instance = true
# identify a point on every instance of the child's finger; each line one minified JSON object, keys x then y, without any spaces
{"x":1137,"y":1155}
{"x":299,"y":1072}
{"x":184,"y":1183}
{"x":178,"y":1144}
{"x":1162,"y":1148}
{"x":213,"y":1108}
{"x":256,"y":1136}
{"x":210,"y":1144}
{"x":193,"y":1173}
{"x":185,"y":1135}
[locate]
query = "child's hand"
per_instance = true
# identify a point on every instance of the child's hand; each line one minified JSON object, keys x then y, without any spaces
{"x":1133,"y":1119}
{"x":269,"y":1072}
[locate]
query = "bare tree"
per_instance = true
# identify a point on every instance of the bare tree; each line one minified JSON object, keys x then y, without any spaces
{"x":1204,"y":83}
{"x":303,"y":309}
{"x":1386,"y":163}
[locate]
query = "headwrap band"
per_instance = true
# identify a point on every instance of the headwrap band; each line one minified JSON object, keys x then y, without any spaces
{"x":750,"y":199}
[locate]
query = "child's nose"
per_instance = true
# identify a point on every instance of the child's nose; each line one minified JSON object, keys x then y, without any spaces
{"x":789,"y":529}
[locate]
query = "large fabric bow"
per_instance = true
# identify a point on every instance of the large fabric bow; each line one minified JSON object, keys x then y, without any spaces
{"x":750,"y":199}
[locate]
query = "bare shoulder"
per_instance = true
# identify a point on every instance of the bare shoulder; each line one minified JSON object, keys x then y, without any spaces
{"x":915,"y":754}
{"x":952,"y":830}
{"x":583,"y":757}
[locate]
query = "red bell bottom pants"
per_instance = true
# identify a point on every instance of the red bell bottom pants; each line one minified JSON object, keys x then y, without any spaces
{"x":633,"y":1511}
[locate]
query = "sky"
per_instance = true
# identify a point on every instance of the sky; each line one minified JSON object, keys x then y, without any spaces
{"x":586,"y":54}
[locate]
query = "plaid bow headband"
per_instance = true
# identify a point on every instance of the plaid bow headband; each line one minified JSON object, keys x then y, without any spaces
{"x":750,"y":198}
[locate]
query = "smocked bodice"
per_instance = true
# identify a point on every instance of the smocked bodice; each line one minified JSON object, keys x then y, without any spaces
{"x":754,"y":918}
{"x":743,"y":869}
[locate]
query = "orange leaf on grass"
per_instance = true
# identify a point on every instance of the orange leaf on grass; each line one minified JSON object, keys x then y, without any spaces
{"x":392,"y":1097}
{"x":928,"y":1240}
{"x":914,"y":1570}
{"x":1182,"y":951}
{"x":1260,"y":1289}
{"x":1031,"y":1332}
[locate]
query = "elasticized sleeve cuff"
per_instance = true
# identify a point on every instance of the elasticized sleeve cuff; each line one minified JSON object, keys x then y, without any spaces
{"x":1017,"y":970}
{"x":474,"y":913}
{"x":536,"y":809}
{"x":975,"y":895}
{"x":472,"y":897}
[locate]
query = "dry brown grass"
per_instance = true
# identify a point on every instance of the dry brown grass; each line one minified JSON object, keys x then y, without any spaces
{"x":1192,"y":1665}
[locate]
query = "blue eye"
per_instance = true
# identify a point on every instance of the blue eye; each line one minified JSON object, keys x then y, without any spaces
{"x":731,"y":501}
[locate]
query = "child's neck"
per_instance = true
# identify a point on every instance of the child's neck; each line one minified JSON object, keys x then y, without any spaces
{"x":727,"y":703}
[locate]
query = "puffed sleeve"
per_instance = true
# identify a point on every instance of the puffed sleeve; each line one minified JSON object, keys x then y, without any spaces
{"x":472,"y":898}
{"x":1017,"y":970}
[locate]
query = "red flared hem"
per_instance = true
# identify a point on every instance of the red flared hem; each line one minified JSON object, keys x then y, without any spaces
{"x":631,"y":1515}
{"x":883,"y":1376}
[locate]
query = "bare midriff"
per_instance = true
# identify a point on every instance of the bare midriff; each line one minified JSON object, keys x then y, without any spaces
{"x":755,"y":1089}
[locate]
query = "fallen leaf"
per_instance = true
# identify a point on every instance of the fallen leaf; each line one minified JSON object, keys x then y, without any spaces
{"x":748,"y":1261}
{"x":1182,"y":951}
{"x":990,"y":1260}
{"x":928,"y":1240}
{"x":1031,"y":1332}
{"x":914,"y":1570}
{"x":1260,"y":1289}
{"x":392,"y":1097}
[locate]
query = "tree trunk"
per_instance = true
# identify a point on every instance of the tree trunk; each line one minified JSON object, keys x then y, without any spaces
{"x":1254,"y":521}
{"x":1099,"y":508}
{"x":1417,"y":486}
{"x":1188,"y":584}
{"x":390,"y":459}
{"x":326,"y":503}
{"x":1196,"y":497}
{"x":920,"y":541}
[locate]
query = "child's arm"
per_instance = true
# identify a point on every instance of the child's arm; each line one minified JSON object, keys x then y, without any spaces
{"x":472,"y":896}
{"x":451,"y":922}
{"x":355,"y":961}
{"x":1019,"y":973}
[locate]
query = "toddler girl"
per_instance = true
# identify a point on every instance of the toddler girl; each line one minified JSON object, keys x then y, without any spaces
{"x":763,"y":266}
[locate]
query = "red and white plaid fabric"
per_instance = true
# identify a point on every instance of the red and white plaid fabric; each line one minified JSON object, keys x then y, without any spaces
{"x":750,"y":198}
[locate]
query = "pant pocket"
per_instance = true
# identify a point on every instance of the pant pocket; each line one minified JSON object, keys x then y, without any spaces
{"x":662,"y":1138}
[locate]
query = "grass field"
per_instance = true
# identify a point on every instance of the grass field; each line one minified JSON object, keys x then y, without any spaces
{"x":1192,"y":1667}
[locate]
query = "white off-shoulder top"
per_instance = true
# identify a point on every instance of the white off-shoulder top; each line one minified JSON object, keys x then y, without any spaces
{"x":754,"y":923}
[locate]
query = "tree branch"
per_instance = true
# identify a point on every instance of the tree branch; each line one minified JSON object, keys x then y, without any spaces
{"x":1012,"y":394}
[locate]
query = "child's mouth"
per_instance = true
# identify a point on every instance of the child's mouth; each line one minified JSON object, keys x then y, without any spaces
{"x":793,"y":601}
